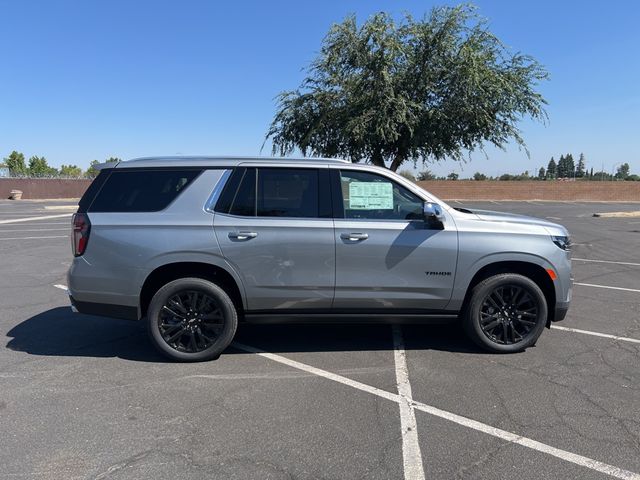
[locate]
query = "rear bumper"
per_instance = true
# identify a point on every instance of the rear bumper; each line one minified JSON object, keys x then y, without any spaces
{"x":104,"y":309}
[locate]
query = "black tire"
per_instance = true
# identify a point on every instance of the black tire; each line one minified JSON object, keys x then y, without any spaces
{"x":191,"y":320}
{"x":506,"y":313}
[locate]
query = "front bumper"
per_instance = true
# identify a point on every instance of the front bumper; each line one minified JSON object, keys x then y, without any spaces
{"x":560,"y":311}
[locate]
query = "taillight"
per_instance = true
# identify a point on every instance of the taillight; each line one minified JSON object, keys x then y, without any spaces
{"x":80,"y":235}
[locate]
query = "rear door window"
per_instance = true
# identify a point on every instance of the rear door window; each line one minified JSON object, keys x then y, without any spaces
{"x":288,"y":193}
{"x":279,"y":192}
{"x":141,"y":190}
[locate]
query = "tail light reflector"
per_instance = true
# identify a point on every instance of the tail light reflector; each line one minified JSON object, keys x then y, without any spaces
{"x":80,"y":235}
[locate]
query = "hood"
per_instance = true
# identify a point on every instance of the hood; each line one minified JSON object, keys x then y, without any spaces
{"x":491,"y":216}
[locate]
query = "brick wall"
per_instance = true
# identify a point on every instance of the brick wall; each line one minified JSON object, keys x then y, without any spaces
{"x":44,"y":187}
{"x":532,"y":190}
{"x":447,"y":190}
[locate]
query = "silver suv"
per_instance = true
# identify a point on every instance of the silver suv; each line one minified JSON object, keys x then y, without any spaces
{"x":195,"y":245}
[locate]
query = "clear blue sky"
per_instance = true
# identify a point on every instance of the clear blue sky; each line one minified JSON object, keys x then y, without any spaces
{"x":90,"y":79}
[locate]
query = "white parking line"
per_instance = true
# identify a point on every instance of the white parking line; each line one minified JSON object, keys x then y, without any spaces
{"x":452,"y":417}
{"x":38,"y":223}
{"x":412,"y":457}
{"x":607,"y":286}
{"x":61,"y":287}
{"x":36,"y":230}
{"x":596,"y":334}
{"x":606,"y":261}
{"x":33,"y":238}
{"x":29,"y":219}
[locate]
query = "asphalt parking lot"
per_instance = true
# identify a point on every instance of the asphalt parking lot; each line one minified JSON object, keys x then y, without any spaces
{"x":88,"y":397}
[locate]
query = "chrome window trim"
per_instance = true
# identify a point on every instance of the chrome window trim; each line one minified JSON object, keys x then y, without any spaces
{"x":217,"y":191}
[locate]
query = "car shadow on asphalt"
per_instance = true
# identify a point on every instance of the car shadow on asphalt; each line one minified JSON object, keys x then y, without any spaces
{"x":58,"y":332}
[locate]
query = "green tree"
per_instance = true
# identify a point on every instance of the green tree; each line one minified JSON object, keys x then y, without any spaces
{"x":426,"y":175}
{"x":479,"y":176}
{"x":552,"y":168}
{"x":92,"y":171}
{"x":424,"y":89}
{"x":453,"y":176}
{"x":623,"y":171}
{"x":71,"y":171}
{"x":561,"y":170}
{"x":542,"y":174}
{"x":569,"y":165}
{"x":581,"y":167}
{"x":16,"y":165}
{"x":38,"y":167}
{"x":599,"y":176}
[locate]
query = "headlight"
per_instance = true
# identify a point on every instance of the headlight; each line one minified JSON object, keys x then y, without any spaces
{"x":562,"y":242}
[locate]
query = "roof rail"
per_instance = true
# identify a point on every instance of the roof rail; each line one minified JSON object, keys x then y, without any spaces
{"x":186,"y":158}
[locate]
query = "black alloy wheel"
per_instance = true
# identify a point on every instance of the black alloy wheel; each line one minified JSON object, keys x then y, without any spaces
{"x":191,"y":320}
{"x":506,"y":313}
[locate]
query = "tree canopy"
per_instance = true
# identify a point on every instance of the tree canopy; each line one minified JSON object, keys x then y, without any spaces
{"x":71,"y":171}
{"x":16,"y":165}
{"x":623,"y":171}
{"x":427,"y":89}
{"x":38,"y":167}
{"x":551,"y":168}
{"x":92,"y":171}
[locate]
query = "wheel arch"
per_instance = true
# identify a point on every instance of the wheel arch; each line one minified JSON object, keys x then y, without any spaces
{"x":527,"y":269}
{"x":172,"y":271}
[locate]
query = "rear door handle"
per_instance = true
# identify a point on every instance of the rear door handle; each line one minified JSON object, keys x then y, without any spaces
{"x":354,"y":237}
{"x":242,"y":235}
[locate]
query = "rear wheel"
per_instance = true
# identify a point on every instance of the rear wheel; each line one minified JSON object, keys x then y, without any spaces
{"x":191,"y":320}
{"x":506,"y":313}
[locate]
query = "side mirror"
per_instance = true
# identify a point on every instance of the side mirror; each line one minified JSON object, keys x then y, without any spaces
{"x":432,"y":213}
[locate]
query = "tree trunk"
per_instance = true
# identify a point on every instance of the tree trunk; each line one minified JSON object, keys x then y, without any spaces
{"x":397,"y":161}
{"x":377,"y":159}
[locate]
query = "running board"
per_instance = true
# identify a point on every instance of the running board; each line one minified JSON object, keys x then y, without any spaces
{"x":351,"y":318}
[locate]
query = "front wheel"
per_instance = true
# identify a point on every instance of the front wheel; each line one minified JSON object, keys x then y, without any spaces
{"x":191,"y":320}
{"x":506,"y":313}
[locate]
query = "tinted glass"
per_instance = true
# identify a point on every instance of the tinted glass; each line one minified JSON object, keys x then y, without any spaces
{"x":141,"y":190}
{"x":244,"y":201}
{"x":287,"y":192}
{"x":369,"y":196}
{"x":229,"y":191}
{"x":93,"y":190}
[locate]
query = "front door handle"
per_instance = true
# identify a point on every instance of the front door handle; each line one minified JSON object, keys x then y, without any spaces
{"x":354,"y":237}
{"x":242,"y":235}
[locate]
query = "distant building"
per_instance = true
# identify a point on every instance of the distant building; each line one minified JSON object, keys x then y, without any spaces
{"x":4,"y":171}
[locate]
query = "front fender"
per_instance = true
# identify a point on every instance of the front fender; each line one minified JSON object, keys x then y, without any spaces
{"x":468,"y":269}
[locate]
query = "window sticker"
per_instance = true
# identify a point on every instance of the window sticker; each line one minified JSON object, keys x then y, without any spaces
{"x":370,"y":196}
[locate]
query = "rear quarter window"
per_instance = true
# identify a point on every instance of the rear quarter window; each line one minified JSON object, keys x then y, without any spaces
{"x":141,"y":190}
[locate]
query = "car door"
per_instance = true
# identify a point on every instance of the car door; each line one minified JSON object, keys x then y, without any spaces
{"x":387,"y":257}
{"x":275,"y":229}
